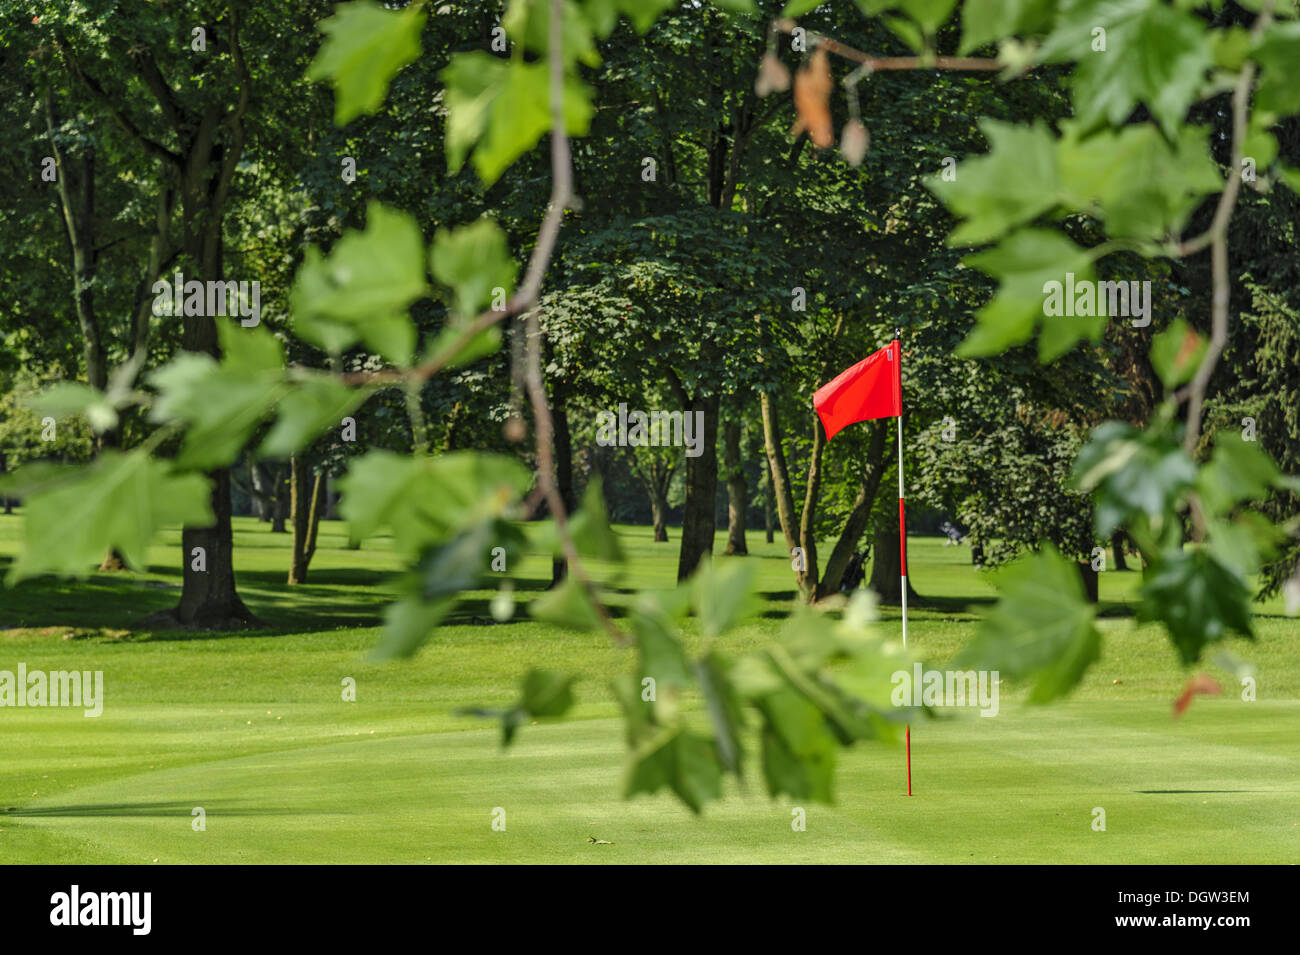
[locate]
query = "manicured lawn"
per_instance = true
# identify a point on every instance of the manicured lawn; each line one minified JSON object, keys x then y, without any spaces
{"x":252,"y":728}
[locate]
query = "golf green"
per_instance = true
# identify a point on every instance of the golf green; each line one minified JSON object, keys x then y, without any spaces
{"x":254,"y":731}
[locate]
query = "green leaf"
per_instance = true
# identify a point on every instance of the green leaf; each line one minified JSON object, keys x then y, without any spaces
{"x":722,"y":594}
{"x":119,"y":502}
{"x":408,"y":623}
{"x":473,"y":260}
{"x":485,"y":343}
{"x":797,"y":8}
{"x":662,"y":656}
{"x":1041,"y":627}
{"x":1176,"y":353}
{"x":798,"y":748}
{"x":365,"y":47}
{"x":603,"y":14}
{"x":1134,"y":180}
{"x":907,"y":31}
{"x":1237,"y":471}
{"x":983,"y":21}
{"x":724,"y":711}
{"x":1025,"y":263}
{"x":929,"y":14}
{"x":501,"y":108}
{"x":1015,"y":182}
{"x":1197,"y":599}
{"x":425,"y":500}
{"x":543,"y":695}
{"x":315,"y":404}
{"x":528,"y":22}
{"x":1290,"y":177}
{"x":1133,"y":472}
{"x":1154,"y":54}
{"x":221,"y":403}
{"x":1277,"y":54}
{"x":568,"y":606}
{"x":679,"y":759}
{"x":68,"y":398}
{"x":589,"y":526}
{"x":546,"y":694}
{"x":362,"y":290}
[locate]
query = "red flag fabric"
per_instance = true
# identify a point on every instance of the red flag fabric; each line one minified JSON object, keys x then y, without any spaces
{"x":873,"y":388}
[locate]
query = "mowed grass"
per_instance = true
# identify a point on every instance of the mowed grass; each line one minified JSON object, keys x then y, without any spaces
{"x":252,"y":729}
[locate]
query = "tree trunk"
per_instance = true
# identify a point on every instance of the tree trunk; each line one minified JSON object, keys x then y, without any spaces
{"x":658,"y":491}
{"x":209,"y":600}
{"x":656,"y":477}
{"x":736,"y":490}
{"x":306,"y":516}
{"x":807,"y":525}
{"x":698,"y":520}
{"x":885,"y":567}
{"x":769,"y":504}
{"x":279,"y":502}
{"x":1089,"y":577}
{"x":977,"y":553}
{"x":563,"y":445}
{"x":778,"y":472}
{"x":263,"y":502}
{"x":856,"y":524}
{"x":1117,"y":545}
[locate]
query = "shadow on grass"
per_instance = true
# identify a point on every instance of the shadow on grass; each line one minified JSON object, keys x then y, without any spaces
{"x":1175,"y":792}
{"x":126,"y":809}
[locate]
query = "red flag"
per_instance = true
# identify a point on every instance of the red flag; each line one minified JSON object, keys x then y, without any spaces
{"x":873,"y":388}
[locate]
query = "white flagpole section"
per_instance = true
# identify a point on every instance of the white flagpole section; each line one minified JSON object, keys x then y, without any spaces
{"x":902,"y":538}
{"x":902,"y":530}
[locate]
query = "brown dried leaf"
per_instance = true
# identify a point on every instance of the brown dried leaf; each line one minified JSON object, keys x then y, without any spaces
{"x":812,"y":100}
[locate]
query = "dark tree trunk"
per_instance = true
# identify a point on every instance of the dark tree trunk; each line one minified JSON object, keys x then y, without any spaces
{"x":563,"y":444}
{"x":279,"y":501}
{"x":780,"y":476}
{"x":885,"y":566}
{"x":769,"y":504}
{"x":736,"y":490}
{"x":856,"y":524}
{"x":1117,"y":545}
{"x":1089,"y":577}
{"x":209,"y":599}
{"x":263,"y":501}
{"x":977,"y":553}
{"x":659,"y":517}
{"x":807,"y":519}
{"x":656,"y":476}
{"x":698,"y":520}
{"x":306,"y":516}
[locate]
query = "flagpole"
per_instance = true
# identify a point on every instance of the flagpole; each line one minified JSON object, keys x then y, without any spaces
{"x":902,"y":536}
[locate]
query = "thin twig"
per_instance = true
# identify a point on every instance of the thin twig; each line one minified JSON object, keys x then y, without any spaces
{"x":893,"y":62}
{"x":1218,"y":233}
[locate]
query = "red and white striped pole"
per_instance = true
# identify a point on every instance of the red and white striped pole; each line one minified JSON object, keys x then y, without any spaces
{"x":902,"y":533}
